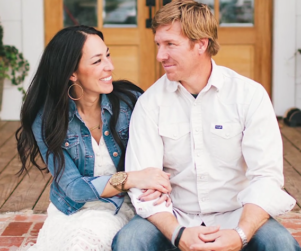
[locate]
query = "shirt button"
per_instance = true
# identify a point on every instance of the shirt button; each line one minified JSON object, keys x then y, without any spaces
{"x":198,"y":154}
{"x":98,"y":153}
{"x":67,"y":144}
{"x":115,"y":154}
{"x":227,"y":134}
{"x":107,"y":133}
{"x":203,"y":199}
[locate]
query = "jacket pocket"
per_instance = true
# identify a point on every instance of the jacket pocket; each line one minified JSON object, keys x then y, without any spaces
{"x":71,"y":145}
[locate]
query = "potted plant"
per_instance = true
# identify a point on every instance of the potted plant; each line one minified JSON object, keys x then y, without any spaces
{"x":13,"y":66}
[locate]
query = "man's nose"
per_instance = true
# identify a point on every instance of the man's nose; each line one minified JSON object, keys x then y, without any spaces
{"x":162,"y":54}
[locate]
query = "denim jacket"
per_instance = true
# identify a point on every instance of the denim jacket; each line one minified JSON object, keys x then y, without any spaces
{"x":77,"y":184}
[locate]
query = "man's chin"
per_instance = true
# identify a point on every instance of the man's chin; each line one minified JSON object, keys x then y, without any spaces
{"x":171,"y":77}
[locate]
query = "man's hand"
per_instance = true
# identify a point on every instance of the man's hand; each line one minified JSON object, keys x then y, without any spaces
{"x":223,"y":240}
{"x":191,"y":236}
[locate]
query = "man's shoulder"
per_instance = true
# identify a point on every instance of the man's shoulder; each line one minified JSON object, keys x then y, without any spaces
{"x":156,"y":92}
{"x":237,"y":82}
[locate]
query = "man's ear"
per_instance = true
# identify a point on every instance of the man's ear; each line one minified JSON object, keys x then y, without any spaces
{"x":202,"y":45}
{"x":73,"y":77}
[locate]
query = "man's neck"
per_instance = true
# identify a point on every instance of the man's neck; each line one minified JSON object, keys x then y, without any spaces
{"x":200,"y":79}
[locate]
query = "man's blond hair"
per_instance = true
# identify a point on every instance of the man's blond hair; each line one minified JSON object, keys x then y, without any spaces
{"x":196,"y":21}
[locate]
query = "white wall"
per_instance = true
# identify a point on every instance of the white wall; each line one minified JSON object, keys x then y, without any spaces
{"x":286,"y":83}
{"x":23,"y":24}
{"x":298,"y":55}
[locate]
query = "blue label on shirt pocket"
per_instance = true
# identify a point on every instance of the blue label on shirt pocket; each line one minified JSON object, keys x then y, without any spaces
{"x":218,"y":127}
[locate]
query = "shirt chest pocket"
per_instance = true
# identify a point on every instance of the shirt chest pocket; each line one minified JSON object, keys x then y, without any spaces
{"x":226,"y":140}
{"x":174,"y":131}
{"x":176,"y":141}
{"x":71,"y":145}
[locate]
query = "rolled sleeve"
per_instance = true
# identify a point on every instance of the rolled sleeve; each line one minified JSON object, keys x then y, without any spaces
{"x":100,"y":183}
{"x":78,"y":188}
{"x":147,"y":208}
{"x":145,"y":149}
{"x":262,"y":150}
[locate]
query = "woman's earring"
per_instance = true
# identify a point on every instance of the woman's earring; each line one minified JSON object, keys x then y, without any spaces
{"x":70,"y":95}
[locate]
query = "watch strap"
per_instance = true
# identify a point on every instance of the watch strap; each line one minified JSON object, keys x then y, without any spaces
{"x":242,"y":236}
{"x":177,"y":241}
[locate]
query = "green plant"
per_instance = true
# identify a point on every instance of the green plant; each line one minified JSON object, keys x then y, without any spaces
{"x":13,"y":65}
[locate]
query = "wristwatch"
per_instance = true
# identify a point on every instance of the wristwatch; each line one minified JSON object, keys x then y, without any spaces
{"x":242,"y":236}
{"x":118,"y":179}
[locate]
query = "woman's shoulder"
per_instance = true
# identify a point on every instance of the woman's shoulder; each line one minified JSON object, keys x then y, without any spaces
{"x":126,"y":87}
{"x":127,"y":92}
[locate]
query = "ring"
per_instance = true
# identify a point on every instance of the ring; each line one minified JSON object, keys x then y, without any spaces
{"x":165,"y":194}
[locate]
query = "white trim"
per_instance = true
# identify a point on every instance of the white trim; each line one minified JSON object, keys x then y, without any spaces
{"x":284,"y":44}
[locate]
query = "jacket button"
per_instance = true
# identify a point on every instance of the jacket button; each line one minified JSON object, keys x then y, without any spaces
{"x":67,"y":144}
{"x":107,"y":133}
{"x":115,"y":154}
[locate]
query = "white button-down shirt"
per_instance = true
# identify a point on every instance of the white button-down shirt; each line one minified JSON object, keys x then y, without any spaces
{"x":222,"y":149}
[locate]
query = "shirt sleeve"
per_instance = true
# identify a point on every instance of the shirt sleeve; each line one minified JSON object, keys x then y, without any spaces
{"x":144,"y":149}
{"x":263,"y":153}
{"x":77,"y":187}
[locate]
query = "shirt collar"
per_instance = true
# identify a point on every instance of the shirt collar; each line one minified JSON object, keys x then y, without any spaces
{"x":215,"y":80}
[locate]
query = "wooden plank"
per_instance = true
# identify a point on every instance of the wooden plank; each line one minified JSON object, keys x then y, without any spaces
{"x":292,"y":155}
{"x":43,"y":202}
{"x":8,"y":130}
{"x":28,"y":191}
{"x":2,"y":123}
{"x":298,"y":129}
{"x":7,"y":152}
{"x":9,"y":180}
{"x":292,"y":135}
{"x":292,"y":182}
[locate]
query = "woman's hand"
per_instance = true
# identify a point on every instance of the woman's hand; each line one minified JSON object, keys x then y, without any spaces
{"x":151,"y":194}
{"x":149,"y":178}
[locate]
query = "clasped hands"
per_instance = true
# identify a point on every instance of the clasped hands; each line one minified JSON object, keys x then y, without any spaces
{"x":210,"y":239}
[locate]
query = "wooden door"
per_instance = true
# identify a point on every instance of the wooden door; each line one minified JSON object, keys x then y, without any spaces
{"x":248,"y":50}
{"x":245,"y":49}
{"x":132,"y":46}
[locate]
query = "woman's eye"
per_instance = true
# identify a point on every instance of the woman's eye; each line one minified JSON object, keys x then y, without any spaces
{"x":108,"y":55}
{"x":98,"y":61}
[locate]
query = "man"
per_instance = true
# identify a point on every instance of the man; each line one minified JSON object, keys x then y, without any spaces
{"x":216,"y":133}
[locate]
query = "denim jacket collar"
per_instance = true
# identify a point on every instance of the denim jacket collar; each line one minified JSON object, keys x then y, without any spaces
{"x":105,"y":104}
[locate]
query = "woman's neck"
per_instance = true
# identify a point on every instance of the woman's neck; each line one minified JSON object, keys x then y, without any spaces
{"x":88,"y":105}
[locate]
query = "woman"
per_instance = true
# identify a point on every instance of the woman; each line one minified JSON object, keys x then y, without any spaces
{"x":77,"y":119}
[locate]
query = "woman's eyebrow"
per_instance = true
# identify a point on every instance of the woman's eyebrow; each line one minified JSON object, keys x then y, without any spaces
{"x":100,"y":54}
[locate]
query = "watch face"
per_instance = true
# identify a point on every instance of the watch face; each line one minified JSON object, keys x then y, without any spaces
{"x":118,"y":178}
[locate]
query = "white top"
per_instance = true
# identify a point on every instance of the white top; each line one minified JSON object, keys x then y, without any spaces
{"x":93,"y":227}
{"x":222,"y":149}
{"x":103,"y":165}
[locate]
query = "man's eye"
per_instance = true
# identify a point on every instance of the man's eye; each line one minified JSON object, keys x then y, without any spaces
{"x":108,"y":55}
{"x":98,"y":61}
{"x":170,"y":44}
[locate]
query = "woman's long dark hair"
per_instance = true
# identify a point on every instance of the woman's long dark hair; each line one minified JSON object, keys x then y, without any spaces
{"x":48,"y":90}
